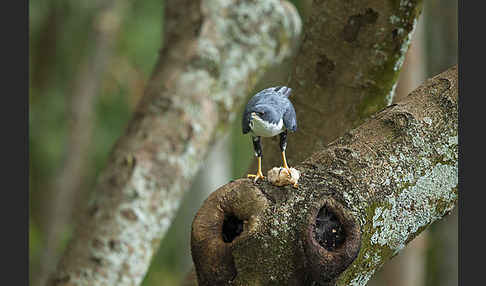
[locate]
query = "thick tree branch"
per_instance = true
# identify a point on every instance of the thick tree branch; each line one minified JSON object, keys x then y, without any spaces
{"x":215,"y":52}
{"x":360,"y":201}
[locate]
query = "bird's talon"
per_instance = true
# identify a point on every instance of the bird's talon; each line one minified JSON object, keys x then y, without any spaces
{"x":257,"y":176}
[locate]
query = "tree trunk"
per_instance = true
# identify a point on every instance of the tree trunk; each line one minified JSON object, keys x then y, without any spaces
{"x":215,"y":51}
{"x":346,"y":69}
{"x":360,"y":201}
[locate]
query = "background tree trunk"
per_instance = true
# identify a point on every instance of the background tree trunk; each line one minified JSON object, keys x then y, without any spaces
{"x":215,"y":51}
{"x":360,"y":201}
{"x":346,"y":69}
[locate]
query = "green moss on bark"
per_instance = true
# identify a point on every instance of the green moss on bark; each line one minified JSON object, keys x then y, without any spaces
{"x":385,"y":75}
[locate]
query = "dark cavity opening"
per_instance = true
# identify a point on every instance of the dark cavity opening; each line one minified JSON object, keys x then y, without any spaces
{"x":328,"y":232}
{"x":232,"y":227}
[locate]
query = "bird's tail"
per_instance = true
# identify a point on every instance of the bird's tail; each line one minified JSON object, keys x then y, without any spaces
{"x":283,"y":90}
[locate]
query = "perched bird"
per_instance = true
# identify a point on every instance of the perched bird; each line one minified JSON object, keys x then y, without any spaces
{"x":269,"y":113}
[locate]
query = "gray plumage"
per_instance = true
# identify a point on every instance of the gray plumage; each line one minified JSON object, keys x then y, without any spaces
{"x":271,"y":105}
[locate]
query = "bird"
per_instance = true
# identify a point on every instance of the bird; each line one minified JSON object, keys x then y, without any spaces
{"x":269,"y":113}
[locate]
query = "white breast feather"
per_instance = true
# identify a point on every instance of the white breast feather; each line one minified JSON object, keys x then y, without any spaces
{"x":265,"y":129}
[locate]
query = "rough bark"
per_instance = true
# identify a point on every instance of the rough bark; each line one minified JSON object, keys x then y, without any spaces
{"x":368,"y":194}
{"x":346,"y":69}
{"x":214,"y":53}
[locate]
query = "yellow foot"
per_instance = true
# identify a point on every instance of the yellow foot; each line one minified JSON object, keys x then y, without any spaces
{"x":257,"y":176}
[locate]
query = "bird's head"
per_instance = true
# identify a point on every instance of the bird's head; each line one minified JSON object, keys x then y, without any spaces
{"x":261,"y":111}
{"x":257,"y":115}
{"x":254,"y":116}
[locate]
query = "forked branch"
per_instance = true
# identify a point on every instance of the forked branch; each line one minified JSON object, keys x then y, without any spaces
{"x":360,"y":200}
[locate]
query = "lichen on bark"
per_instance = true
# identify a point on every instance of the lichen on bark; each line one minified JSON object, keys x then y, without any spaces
{"x":423,"y":174}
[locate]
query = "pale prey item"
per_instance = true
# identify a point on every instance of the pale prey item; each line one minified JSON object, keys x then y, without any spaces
{"x":280,"y":176}
{"x":269,"y":113}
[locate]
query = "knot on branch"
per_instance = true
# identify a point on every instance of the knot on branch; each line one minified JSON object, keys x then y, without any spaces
{"x":228,"y":215}
{"x":356,"y":22}
{"x":332,"y":240}
{"x":399,"y":121}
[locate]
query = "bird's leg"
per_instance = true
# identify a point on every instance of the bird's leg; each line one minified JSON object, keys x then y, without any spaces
{"x":283,"y":146}
{"x":258,"y":152}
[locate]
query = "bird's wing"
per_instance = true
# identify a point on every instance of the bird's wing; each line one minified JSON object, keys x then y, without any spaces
{"x":245,"y":122}
{"x":289,"y":118}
